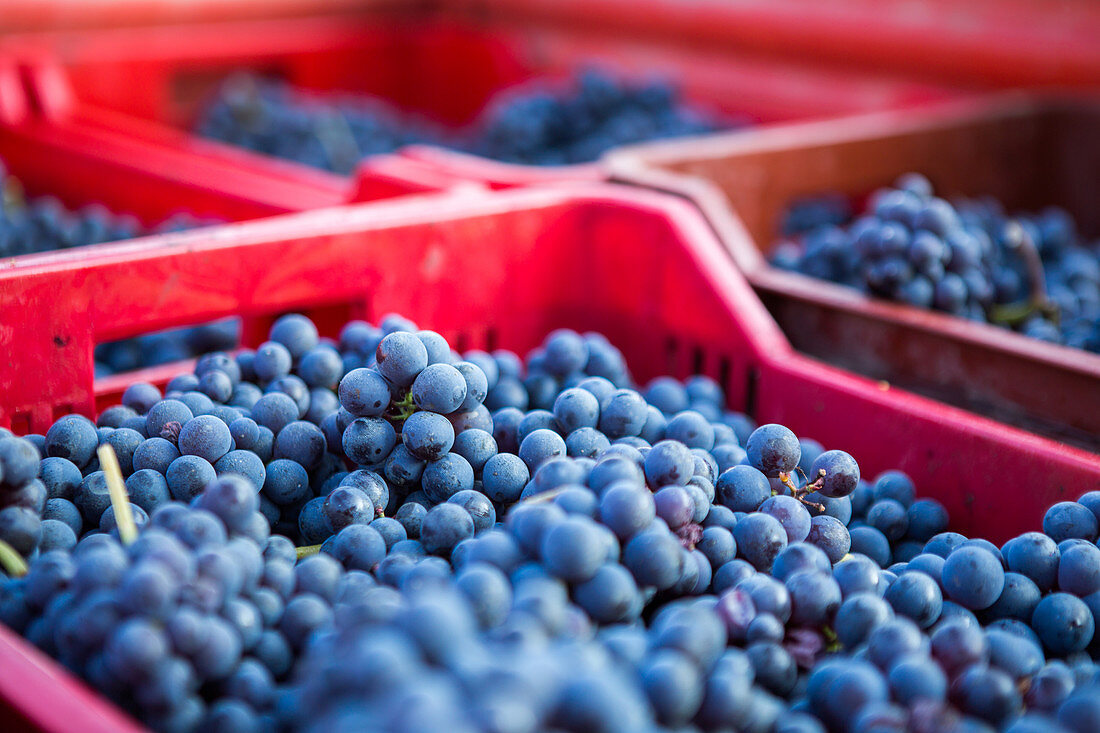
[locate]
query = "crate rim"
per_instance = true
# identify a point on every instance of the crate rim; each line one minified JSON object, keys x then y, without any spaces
{"x":852,"y":127}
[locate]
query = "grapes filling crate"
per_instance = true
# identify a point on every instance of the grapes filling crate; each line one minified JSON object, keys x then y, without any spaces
{"x":1025,"y":153}
{"x":510,"y":260}
{"x":486,"y":271}
{"x":443,"y":69}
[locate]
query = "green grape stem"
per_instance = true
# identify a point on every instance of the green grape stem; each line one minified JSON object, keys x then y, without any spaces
{"x":400,"y":411}
{"x":12,"y":562}
{"x":307,"y":551}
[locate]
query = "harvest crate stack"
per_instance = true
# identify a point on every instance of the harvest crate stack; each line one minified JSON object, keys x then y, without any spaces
{"x":504,"y":365}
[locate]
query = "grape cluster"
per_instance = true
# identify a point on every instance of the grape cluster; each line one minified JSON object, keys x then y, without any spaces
{"x":378,"y":533}
{"x":335,"y":131}
{"x":164,"y":347}
{"x":546,"y":128}
{"x":1032,"y":273}
{"x":23,"y":497}
{"x":201,"y":612}
{"x":332,"y":132}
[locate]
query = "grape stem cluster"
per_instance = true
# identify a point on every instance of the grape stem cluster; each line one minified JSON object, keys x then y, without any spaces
{"x":401,"y":410}
{"x":809,"y":488}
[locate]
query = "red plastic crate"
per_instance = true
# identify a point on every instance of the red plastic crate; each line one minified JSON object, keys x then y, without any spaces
{"x":150,"y":83}
{"x":1028,"y":153}
{"x":501,"y":269}
{"x":496,"y":270}
{"x":980,"y":43}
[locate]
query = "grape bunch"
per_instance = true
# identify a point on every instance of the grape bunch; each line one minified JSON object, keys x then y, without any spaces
{"x":600,"y":113}
{"x":1029,"y":272}
{"x":204,"y":610}
{"x":165,"y":347}
{"x":333,"y":132}
{"x":379,"y":533}
{"x":23,"y":497}
{"x":336,"y":131}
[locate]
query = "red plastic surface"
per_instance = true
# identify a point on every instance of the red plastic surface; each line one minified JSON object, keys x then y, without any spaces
{"x":978,"y":42}
{"x":39,"y":695}
{"x":1026,"y":153}
{"x":498,"y":270}
{"x":986,"y":43}
{"x":443,"y":65}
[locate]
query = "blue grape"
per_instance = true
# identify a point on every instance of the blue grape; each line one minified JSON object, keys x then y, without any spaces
{"x":1064,"y":623}
{"x":302,"y":442}
{"x":790,"y":513}
{"x":476,"y":446}
{"x":478,"y":506}
{"x":400,"y":356}
{"x":1067,"y":519}
{"x":1017,"y":656}
{"x":1017,"y":600}
{"x":444,"y":526}
{"x":61,"y":477}
{"x":447,"y":476}
{"x":576,"y":408}
{"x":243,"y":463}
{"x":540,"y":445}
{"x":691,"y":429}
{"x":275,"y":411}
{"x":872,"y":543}
{"x":927,"y":518}
{"x":973,"y":577}
{"x":669,"y":462}
{"x":760,"y":538}
{"x":364,"y":393}
{"x":742,"y":488}
{"x":889,"y":517}
{"x":773,"y":450}
{"x":622,"y":413}
{"x":427,"y":435}
{"x":654,"y":559}
{"x":986,"y":693}
{"x":841,"y":473}
{"x":73,"y":437}
{"x":358,"y":546}
{"x":718,"y":546}
{"x":916,"y":596}
{"x":894,"y":639}
{"x":610,"y":596}
{"x":573,"y":549}
{"x":366,"y":441}
{"x":439,"y":388}
{"x":829,"y":535}
{"x":815,"y":598}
